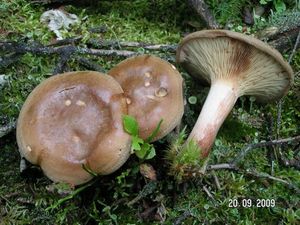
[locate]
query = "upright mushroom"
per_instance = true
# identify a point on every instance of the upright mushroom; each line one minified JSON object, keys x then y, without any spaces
{"x":71,"y":120}
{"x":235,"y":65}
{"x":153,"y":89}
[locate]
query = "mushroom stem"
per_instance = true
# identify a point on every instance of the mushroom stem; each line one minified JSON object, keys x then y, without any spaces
{"x":218,"y":104}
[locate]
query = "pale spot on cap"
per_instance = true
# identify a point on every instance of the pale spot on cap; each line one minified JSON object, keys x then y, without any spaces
{"x":147,"y":74}
{"x":151,"y":97}
{"x":80,"y":103}
{"x":147,"y":84}
{"x":76,"y":138}
{"x":161,"y":92}
{"x":128,"y":101}
{"x":68,"y":102}
{"x":29,"y":148}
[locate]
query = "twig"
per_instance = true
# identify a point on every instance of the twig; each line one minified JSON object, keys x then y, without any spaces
{"x":291,"y":163}
{"x":9,"y":59}
{"x":265,"y":175}
{"x":221,"y":166}
{"x":66,"y":41}
{"x":295,"y":162}
{"x":19,"y":49}
{"x":147,"y":190}
{"x":249,"y":147}
{"x":255,"y":174}
{"x":36,"y":48}
{"x":182,"y":217}
{"x":295,"y":48}
{"x":88,"y":64}
{"x":202,"y":9}
{"x":205,"y":189}
{"x":117,"y":44}
{"x":278,"y":123}
{"x":64,"y":57}
{"x":271,"y":149}
{"x":216,"y":179}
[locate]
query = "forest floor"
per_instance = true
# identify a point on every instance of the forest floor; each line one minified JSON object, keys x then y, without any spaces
{"x":268,"y":176}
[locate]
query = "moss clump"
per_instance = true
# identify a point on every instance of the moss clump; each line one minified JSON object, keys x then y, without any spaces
{"x":227,"y":11}
{"x":185,"y":158}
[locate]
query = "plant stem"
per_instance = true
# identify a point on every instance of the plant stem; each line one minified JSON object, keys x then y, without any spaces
{"x":219,"y":102}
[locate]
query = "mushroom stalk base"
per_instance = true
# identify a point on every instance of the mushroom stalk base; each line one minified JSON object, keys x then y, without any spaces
{"x":219,"y":102}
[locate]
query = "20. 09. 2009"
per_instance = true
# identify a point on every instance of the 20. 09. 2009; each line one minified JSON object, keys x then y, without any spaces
{"x":247,"y":203}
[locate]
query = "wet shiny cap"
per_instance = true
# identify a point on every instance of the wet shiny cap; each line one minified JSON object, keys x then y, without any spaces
{"x":74,"y":119}
{"x":153,"y":90}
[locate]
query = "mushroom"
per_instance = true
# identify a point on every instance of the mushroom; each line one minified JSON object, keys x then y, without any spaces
{"x":235,"y":65}
{"x":74,"y":119}
{"x":153,"y":89}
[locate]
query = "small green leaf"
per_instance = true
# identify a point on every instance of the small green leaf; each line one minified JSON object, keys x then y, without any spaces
{"x":279,"y":6}
{"x":147,"y":151}
{"x":136,"y":143}
{"x":143,"y":151}
{"x":155,"y":132}
{"x":151,"y":153}
{"x":140,"y":147}
{"x":140,"y":154}
{"x":130,"y":125}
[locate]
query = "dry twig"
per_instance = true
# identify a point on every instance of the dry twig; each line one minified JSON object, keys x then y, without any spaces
{"x":115,"y":44}
{"x":182,"y":217}
{"x":246,"y":150}
{"x":267,"y":176}
{"x":231,"y":166}
{"x":262,"y":144}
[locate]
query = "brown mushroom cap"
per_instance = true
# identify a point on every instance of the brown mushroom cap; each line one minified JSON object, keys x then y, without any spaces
{"x":255,"y":67}
{"x":73,"y":119}
{"x":153,"y":88}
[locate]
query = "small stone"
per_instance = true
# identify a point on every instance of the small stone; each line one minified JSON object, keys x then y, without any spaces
{"x":161,"y":92}
{"x":68,"y":102}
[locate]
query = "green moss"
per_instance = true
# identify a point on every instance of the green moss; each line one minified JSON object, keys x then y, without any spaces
{"x":22,"y":78}
{"x":241,"y":130}
{"x":227,"y":11}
